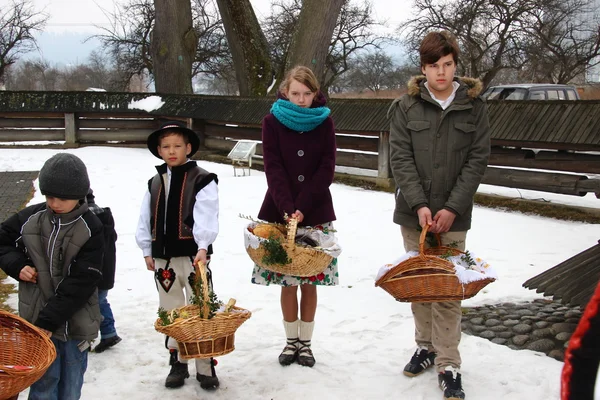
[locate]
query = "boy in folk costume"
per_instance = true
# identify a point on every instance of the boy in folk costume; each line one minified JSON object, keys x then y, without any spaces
{"x":439,"y":145}
{"x":179,"y":221}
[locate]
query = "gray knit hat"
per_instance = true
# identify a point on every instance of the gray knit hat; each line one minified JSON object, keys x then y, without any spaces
{"x":64,"y":176}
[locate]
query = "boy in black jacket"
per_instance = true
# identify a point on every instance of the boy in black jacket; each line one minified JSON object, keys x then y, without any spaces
{"x":53,"y":249}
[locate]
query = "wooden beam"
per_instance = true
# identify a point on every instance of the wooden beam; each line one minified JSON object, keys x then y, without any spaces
{"x":70,"y":130}
{"x":24,"y":135}
{"x":119,"y":135}
{"x":357,"y":143}
{"x":541,"y":181}
{"x":383,"y":160}
{"x":120,"y":123}
{"x":27,"y":123}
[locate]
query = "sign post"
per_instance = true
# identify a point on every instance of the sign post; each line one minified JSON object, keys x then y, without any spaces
{"x":241,"y":156}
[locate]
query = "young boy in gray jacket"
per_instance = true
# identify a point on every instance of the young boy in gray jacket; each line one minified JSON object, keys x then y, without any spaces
{"x":54,"y":249}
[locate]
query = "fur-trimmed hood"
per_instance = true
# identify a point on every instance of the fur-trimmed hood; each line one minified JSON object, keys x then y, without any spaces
{"x":474,"y":86}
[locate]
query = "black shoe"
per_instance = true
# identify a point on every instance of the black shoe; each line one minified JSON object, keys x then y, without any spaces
{"x":106,"y":344}
{"x":305,"y":356}
{"x":289,"y":354}
{"x":420,"y":361}
{"x":209,"y":382}
{"x":450,"y":383}
{"x":179,"y":372}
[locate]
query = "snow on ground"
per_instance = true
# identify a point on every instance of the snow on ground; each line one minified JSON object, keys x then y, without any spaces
{"x":363,"y":338}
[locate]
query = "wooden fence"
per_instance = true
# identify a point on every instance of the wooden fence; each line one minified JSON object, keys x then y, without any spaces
{"x":366,"y":150}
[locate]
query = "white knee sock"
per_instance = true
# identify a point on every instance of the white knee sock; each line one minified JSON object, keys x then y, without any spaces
{"x":291,"y":333}
{"x":306,"y":332}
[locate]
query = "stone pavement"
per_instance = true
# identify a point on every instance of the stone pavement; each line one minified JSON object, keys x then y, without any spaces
{"x":541,"y":325}
{"x":16,"y":188}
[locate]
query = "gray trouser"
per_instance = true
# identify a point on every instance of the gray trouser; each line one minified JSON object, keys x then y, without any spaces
{"x":437,"y":325}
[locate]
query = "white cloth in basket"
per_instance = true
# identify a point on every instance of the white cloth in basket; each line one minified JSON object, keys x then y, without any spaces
{"x":326,"y":242}
{"x":464,"y":272}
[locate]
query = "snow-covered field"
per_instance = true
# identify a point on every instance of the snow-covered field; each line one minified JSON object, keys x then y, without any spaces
{"x":363,"y":338}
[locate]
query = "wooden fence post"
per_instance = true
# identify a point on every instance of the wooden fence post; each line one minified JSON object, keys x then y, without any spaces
{"x":383,"y":161}
{"x":70,"y":130}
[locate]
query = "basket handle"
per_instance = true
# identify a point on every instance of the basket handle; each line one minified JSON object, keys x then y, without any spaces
{"x":422,"y":239}
{"x":291,"y":231}
{"x":200,"y":268}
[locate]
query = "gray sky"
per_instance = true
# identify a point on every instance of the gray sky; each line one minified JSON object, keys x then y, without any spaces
{"x":72,"y":21}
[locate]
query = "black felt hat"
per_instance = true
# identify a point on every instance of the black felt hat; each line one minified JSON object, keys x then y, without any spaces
{"x":64,"y":176}
{"x":172,"y":126}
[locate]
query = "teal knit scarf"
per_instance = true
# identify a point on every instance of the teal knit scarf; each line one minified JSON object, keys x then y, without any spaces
{"x":299,"y":118}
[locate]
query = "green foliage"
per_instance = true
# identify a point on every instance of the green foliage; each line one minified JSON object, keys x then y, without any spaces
{"x":164,"y":316}
{"x":198,"y":299}
{"x":274,"y":252}
{"x":468,"y":259}
{"x":446,"y":255}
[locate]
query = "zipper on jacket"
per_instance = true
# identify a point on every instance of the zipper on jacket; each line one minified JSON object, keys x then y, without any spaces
{"x":60,"y":254}
{"x":52,"y":244}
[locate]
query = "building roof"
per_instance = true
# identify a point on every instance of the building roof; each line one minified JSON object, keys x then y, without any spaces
{"x":573,"y":281}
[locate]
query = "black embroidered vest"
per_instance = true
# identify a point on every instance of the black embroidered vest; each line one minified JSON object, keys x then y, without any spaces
{"x":175,"y":238}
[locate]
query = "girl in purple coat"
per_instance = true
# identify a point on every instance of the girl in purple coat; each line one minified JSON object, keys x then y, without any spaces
{"x":299,"y":148}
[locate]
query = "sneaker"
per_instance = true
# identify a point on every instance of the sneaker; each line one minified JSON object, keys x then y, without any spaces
{"x":305,"y":356}
{"x":450,"y":383}
{"x":420,"y":361}
{"x":289,"y":354}
{"x":106,"y":344}
{"x":179,"y":372}
{"x":209,"y":382}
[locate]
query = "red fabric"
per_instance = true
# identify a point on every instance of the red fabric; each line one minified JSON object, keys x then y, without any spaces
{"x":582,"y":354}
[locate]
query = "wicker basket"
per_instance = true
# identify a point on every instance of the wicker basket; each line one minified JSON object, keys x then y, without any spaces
{"x":204,"y":338}
{"x":428,"y":278}
{"x":25,"y":354}
{"x":306,"y":261}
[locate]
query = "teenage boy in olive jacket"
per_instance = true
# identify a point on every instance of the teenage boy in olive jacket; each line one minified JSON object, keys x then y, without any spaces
{"x":439,"y":149}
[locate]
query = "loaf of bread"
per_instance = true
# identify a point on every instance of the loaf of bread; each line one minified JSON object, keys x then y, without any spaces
{"x":268,"y":231}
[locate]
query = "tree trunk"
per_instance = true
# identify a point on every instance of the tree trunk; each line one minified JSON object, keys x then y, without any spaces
{"x":310,"y":43}
{"x":173,"y":46}
{"x":249,"y":47}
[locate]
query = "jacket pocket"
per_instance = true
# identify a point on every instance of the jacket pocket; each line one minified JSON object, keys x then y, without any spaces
{"x":419,"y":133}
{"x":464,"y":135}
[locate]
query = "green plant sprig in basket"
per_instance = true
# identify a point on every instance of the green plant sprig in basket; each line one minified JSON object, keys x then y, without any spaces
{"x":274,"y":252}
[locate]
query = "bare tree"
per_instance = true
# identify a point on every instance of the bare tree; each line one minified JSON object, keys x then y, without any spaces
{"x":311,"y":40}
{"x":128,"y":39}
{"x":173,"y":46}
{"x":353,"y":33}
{"x":373,"y":71}
{"x":489,"y":32}
{"x":564,"y":41}
{"x":249,"y":48}
{"x":18,"y":23}
{"x":524,"y":35}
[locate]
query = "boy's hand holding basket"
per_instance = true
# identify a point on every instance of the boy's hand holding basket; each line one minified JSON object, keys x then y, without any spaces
{"x":435,"y":274}
{"x":203,"y":330}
